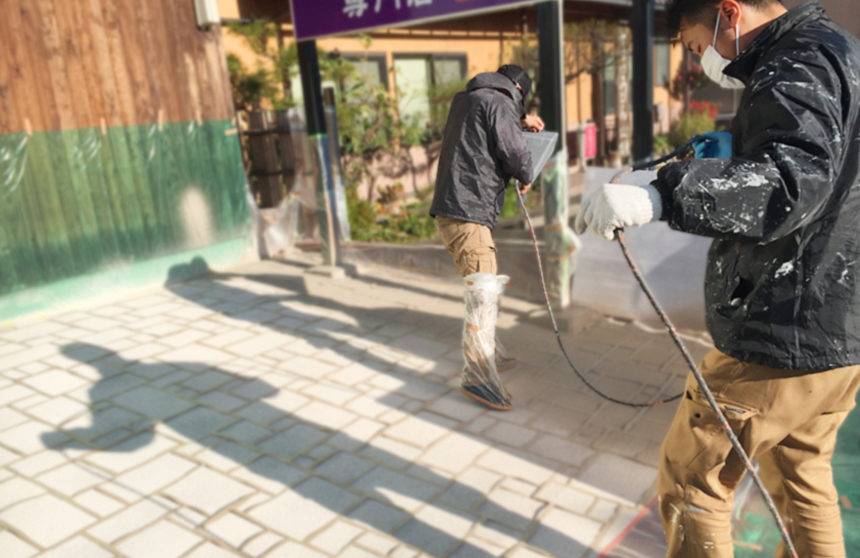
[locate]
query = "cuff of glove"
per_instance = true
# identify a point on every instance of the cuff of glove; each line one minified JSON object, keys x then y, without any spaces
{"x":650,"y":207}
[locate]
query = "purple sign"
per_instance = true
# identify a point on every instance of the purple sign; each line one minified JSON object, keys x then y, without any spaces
{"x":321,"y":18}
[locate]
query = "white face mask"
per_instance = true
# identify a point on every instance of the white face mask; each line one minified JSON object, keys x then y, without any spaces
{"x":713,"y":62}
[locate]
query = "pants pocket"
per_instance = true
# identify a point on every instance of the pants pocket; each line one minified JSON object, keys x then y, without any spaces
{"x":480,"y":261}
{"x":700,"y":445}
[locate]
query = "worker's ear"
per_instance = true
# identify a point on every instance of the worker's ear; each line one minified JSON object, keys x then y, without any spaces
{"x":730,"y":10}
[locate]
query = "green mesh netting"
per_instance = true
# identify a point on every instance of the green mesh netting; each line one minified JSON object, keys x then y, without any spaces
{"x":76,"y":201}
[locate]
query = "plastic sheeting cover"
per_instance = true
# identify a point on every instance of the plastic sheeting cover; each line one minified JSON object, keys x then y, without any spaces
{"x":482,"y":291}
{"x":76,"y":201}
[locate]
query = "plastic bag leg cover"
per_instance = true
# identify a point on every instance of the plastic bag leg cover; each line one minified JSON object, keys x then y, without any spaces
{"x":480,"y":379}
{"x":504,"y":361}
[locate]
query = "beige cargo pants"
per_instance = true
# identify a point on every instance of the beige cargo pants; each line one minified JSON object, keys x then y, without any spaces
{"x":473,"y":250}
{"x":785,"y":419}
{"x":471,"y":246}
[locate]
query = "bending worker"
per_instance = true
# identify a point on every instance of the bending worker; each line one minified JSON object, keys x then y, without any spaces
{"x":482,"y":149}
{"x":782,"y":286}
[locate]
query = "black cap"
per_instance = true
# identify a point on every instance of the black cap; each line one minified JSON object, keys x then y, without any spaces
{"x":519,"y":77}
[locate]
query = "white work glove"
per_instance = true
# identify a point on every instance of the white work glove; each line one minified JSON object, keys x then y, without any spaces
{"x":615,"y":206}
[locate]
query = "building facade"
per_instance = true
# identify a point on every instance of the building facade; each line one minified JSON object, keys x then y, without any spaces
{"x":410,"y":61}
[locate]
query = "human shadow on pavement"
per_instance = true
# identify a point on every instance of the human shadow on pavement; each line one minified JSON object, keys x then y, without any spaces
{"x":324,"y":323}
{"x":291,"y":309}
{"x":278,"y":446}
{"x":334,"y":317}
{"x":357,"y":331}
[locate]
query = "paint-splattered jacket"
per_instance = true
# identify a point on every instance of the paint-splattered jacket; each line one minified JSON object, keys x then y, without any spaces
{"x":783,"y":281}
{"x":482,"y":149}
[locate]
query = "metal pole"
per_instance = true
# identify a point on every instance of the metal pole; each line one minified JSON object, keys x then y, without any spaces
{"x":551,"y":55}
{"x":315,"y":115}
{"x":558,"y":237}
{"x":643,"y":80}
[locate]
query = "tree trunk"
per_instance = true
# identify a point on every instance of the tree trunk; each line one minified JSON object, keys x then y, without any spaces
{"x":598,"y":114}
{"x":370,"y":173}
{"x":687,"y":65}
{"x":598,"y":109}
{"x":286,"y":82}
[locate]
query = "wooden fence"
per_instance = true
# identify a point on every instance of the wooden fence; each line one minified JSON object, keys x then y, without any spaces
{"x":269,"y":146}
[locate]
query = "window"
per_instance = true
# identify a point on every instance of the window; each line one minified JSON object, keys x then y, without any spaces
{"x":609,"y":86}
{"x":418,"y":77}
{"x":448,"y":69}
{"x":412,"y":76}
{"x":371,"y":68}
{"x":661,"y":62}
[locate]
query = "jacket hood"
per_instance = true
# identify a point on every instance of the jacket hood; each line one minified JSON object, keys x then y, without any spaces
{"x":495,"y":80}
{"x":743,"y":66}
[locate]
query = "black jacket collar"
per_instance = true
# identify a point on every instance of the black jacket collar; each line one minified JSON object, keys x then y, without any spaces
{"x":743,"y":66}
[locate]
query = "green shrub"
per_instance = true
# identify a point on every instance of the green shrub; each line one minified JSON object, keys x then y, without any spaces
{"x":440,"y":97}
{"x":692,"y":123}
{"x":410,"y":224}
{"x":512,"y":206}
{"x":416,"y":224}
{"x":362,"y":215}
{"x":250,"y":88}
{"x":661,"y":146}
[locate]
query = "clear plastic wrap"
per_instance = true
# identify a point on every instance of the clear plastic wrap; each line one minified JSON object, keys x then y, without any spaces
{"x":280,"y":227}
{"x":77,"y":201}
{"x":480,"y":379}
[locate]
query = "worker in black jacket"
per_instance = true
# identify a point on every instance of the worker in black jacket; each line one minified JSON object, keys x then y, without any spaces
{"x":782,"y":285}
{"x":482,"y":149}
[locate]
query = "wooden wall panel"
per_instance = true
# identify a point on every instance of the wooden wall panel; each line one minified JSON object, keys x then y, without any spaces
{"x":60,"y":56}
{"x":102,"y":88}
{"x":35,"y":100}
{"x":77,"y":37}
{"x":84,"y":63}
{"x":9,"y":74}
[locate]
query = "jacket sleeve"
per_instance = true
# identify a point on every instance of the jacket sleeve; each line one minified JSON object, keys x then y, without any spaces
{"x":506,"y":136}
{"x":793,"y":143}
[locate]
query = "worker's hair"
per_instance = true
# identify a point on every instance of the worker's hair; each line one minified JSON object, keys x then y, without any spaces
{"x":701,"y":11}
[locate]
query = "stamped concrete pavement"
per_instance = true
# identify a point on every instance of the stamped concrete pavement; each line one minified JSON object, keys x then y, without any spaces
{"x":268,"y":411}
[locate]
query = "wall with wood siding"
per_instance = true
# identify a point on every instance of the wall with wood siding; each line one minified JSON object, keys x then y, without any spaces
{"x":90,"y":63}
{"x":117,"y":144}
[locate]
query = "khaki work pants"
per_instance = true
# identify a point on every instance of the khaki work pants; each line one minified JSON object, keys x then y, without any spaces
{"x":471,"y":246}
{"x":785,"y":419}
{"x":473,"y":250}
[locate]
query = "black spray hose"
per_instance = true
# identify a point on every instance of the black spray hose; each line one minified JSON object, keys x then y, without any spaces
{"x":651,"y":164}
{"x":558,"y":334}
{"x":724,"y":423}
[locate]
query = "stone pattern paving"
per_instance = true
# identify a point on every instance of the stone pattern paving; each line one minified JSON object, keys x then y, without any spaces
{"x":271,"y":412}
